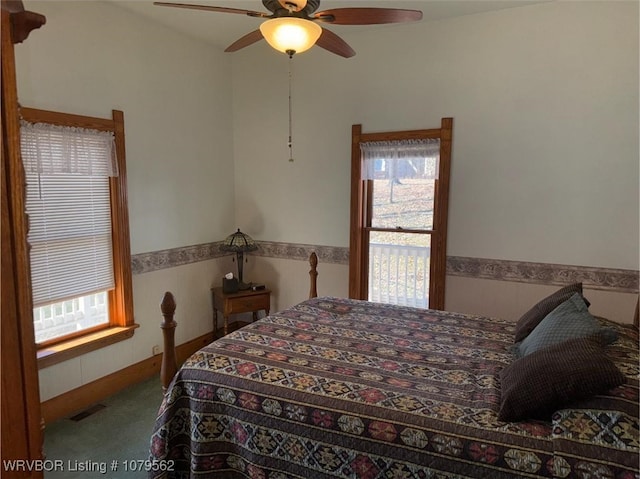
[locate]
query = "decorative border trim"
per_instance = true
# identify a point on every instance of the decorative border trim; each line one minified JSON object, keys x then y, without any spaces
{"x":170,"y":258}
{"x":326,"y":254}
{"x":622,"y":280}
{"x":608,"y":279}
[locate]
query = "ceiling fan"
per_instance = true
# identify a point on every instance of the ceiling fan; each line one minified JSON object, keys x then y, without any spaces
{"x":293,"y":26}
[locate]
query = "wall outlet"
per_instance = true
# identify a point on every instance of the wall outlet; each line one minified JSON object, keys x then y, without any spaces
{"x":155,"y":350}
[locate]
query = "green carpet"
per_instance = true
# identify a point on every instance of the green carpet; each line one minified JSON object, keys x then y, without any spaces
{"x":111,"y":442}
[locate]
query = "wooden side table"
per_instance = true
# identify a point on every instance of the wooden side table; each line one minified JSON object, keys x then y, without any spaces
{"x":246,"y":301}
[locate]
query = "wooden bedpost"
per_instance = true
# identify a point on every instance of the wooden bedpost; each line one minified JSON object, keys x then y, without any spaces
{"x":313,"y":273}
{"x":169,"y":364}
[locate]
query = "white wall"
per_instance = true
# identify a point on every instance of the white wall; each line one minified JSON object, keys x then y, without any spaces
{"x":175,"y":92}
{"x":92,"y":57}
{"x":545,"y":149}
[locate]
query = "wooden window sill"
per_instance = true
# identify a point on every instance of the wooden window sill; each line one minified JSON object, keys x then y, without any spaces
{"x":50,"y":355}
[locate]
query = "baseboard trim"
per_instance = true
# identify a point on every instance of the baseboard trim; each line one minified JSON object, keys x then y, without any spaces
{"x":77,"y":399}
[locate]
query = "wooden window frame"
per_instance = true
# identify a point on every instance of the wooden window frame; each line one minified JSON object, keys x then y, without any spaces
{"x":362,"y":191}
{"x":121,"y":320}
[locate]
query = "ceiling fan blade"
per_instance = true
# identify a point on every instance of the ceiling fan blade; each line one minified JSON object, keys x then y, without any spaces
{"x":248,"y":39}
{"x":250,"y":13}
{"x":333,"y":43}
{"x":367,"y":16}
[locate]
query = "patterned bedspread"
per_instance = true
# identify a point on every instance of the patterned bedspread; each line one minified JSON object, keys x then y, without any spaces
{"x":350,"y":389}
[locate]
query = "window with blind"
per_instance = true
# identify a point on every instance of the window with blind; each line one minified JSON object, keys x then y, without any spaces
{"x":78,"y":232}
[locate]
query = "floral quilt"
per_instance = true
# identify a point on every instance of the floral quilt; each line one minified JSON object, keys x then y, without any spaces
{"x":339,"y":388}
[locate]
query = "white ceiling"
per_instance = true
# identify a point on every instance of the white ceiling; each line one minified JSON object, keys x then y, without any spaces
{"x":222,"y":29}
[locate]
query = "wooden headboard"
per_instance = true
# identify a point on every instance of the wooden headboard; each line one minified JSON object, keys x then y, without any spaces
{"x":169,"y":365}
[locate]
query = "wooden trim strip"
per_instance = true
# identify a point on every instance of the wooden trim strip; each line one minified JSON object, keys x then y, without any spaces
{"x":33,"y":115}
{"x":121,"y":298}
{"x":440,"y":220}
{"x":357,"y":221}
{"x":22,"y":433}
{"x":77,"y":399}
{"x":406,"y":135}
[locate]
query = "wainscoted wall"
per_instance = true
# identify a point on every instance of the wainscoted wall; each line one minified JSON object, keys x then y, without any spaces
{"x":474,"y":285}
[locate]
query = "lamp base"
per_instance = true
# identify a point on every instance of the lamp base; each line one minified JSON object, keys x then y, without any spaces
{"x":243,"y":286}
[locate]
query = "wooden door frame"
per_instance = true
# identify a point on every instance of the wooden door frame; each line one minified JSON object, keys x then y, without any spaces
{"x":361,"y":190}
{"x":20,"y":397}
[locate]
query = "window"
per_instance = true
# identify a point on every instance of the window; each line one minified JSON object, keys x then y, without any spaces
{"x":65,"y":318}
{"x":78,"y":232}
{"x":399,"y":197}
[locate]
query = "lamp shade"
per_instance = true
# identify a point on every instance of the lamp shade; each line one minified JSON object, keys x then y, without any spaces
{"x":290,"y":34}
{"x":238,"y":242}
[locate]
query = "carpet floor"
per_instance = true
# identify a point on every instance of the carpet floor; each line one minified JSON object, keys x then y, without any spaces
{"x":111,"y":442}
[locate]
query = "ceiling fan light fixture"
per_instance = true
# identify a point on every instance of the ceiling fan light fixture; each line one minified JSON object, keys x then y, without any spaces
{"x":290,"y":34}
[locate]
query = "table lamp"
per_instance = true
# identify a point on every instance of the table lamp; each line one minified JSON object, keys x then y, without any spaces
{"x":239,"y":243}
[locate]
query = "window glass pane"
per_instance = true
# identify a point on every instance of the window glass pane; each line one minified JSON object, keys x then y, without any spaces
{"x":68,"y":317}
{"x":404,"y":202}
{"x":399,"y":268}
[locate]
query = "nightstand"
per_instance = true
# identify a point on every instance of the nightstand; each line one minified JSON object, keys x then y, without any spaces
{"x":246,"y":301}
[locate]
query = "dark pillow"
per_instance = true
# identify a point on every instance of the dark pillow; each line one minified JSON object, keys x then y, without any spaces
{"x":554,"y":377}
{"x":569,"y":320}
{"x":537,"y":313}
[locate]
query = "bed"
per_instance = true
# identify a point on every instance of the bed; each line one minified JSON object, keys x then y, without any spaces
{"x":341,"y":388}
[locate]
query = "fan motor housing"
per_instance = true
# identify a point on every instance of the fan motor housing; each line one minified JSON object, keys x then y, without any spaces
{"x":274,"y":5}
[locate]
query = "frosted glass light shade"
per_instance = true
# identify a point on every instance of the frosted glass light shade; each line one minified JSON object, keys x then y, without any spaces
{"x":287,"y":34}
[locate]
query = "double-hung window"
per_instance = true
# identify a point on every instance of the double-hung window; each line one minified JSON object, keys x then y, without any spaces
{"x":78,"y":232}
{"x":399,"y":203}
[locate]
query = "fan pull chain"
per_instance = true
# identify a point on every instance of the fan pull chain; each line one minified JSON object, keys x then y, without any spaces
{"x":290,"y":114}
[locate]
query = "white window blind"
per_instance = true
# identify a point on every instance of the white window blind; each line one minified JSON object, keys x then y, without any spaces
{"x":69,"y":207}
